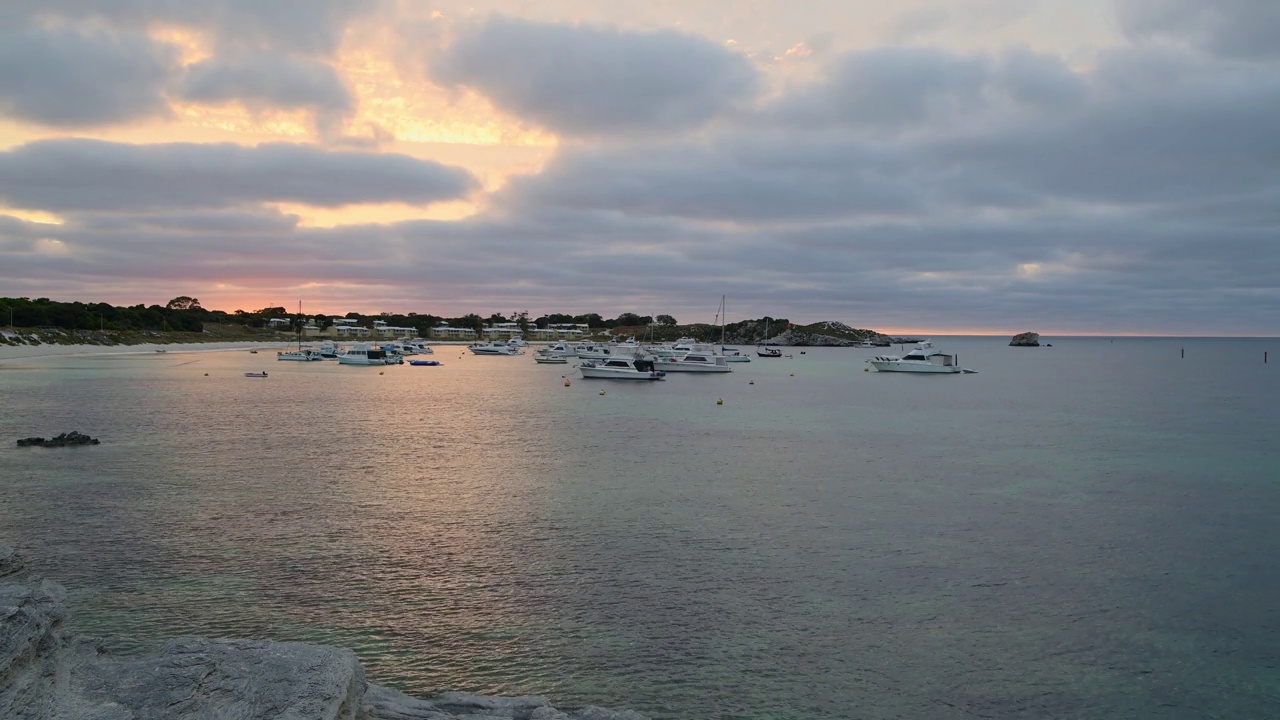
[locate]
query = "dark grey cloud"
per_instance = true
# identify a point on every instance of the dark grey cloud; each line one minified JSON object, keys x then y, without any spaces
{"x":596,"y":80}
{"x":78,"y":175}
{"x":303,"y":26}
{"x":1231,"y":28}
{"x":63,"y":77}
{"x":268,"y":81}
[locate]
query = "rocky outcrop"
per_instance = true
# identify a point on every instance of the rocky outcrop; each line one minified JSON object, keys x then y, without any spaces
{"x":1026,"y":339}
{"x":64,"y":440}
{"x":47,"y":674}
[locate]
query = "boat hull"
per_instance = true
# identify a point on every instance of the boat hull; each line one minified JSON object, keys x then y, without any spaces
{"x":692,"y":367}
{"x":914,"y":367}
{"x":611,"y":374}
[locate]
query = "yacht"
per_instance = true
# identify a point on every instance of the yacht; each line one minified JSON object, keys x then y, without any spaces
{"x":329,"y":350}
{"x":365,"y":354}
{"x":621,"y":368}
{"x":492,"y":348}
{"x":734,"y":355}
{"x":605,"y":352}
{"x":301,"y":354}
{"x":419,"y":346}
{"x":923,"y":358}
{"x":695,"y":361}
{"x":400,"y":348}
{"x":768,"y":352}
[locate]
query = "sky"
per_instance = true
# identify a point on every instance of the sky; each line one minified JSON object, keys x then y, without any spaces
{"x":993,"y":166}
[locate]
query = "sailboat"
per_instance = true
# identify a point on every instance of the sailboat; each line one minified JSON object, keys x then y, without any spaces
{"x":765,"y":351}
{"x":730,"y":354}
{"x":299,"y":354}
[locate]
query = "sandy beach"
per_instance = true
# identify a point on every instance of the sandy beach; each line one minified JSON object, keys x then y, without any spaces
{"x":31,"y":352}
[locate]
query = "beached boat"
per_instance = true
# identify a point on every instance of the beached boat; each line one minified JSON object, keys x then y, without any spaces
{"x":923,"y":358}
{"x":620,"y":368}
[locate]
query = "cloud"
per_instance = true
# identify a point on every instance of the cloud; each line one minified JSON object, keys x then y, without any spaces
{"x":302,"y":26}
{"x":1230,"y":28}
{"x":595,"y":80}
{"x":63,"y":77}
{"x":79,"y":175}
{"x":259,"y":81}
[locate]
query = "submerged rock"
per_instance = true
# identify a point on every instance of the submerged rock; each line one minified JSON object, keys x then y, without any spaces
{"x":1026,"y":339}
{"x":63,"y":440}
{"x":47,"y":674}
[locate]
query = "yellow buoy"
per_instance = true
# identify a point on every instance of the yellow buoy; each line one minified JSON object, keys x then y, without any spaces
{"x":601,"y":392}
{"x":719,"y":401}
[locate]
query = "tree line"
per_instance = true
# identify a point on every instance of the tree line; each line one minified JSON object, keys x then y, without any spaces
{"x":186,"y":314}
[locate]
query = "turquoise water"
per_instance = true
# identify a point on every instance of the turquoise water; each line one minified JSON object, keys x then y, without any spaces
{"x":1087,"y":530}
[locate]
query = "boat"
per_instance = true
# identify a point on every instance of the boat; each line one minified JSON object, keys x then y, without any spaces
{"x":426,"y":363}
{"x":864,"y":344}
{"x":558,"y":350}
{"x":763,"y":350}
{"x":419,"y":346}
{"x":162,"y":351}
{"x":257,"y":374}
{"x":694,"y":361}
{"x":550,"y":360}
{"x":492,"y":348}
{"x":730,"y":354}
{"x":400,"y":348}
{"x":365,"y":354}
{"x":621,"y":368}
{"x":253,"y":352}
{"x":299,"y":354}
{"x":328,"y":350}
{"x":923,"y":358}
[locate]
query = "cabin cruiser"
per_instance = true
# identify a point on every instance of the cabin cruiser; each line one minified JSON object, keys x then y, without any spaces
{"x":329,"y":350}
{"x":604,"y":352}
{"x":923,"y":358}
{"x":419,"y":346}
{"x":695,"y":361}
{"x":621,"y":368}
{"x":559,"y":350}
{"x":400,"y":348}
{"x":734,"y":355}
{"x":492,"y":348}
{"x":365,"y":354}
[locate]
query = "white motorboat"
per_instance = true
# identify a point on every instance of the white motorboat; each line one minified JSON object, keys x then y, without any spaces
{"x":606,"y":352}
{"x":558,"y":350}
{"x":400,"y":348}
{"x":365,"y":354}
{"x":550,"y":360}
{"x":695,"y":361}
{"x":329,"y":350}
{"x":419,"y":346}
{"x":621,"y":368}
{"x":734,"y":355}
{"x":923,"y":358}
{"x":492,"y":348}
{"x":864,"y":344}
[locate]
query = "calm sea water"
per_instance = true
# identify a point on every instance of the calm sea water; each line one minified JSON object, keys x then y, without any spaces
{"x":1087,"y":530}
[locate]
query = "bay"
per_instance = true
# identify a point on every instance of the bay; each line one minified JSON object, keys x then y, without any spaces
{"x":1082,"y":530}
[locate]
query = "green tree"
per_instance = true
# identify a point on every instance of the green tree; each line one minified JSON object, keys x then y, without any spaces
{"x":666,"y":320}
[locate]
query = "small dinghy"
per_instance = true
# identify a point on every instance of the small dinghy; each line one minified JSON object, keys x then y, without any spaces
{"x":427,"y":363}
{"x":261,"y":374}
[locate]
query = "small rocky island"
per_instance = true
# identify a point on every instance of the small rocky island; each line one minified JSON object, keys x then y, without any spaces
{"x":49,"y":674}
{"x":1026,"y":339}
{"x":64,"y":440}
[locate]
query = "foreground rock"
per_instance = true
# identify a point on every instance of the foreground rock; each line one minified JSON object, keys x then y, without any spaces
{"x":1026,"y":339}
{"x":47,"y":674}
{"x":63,"y":440}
